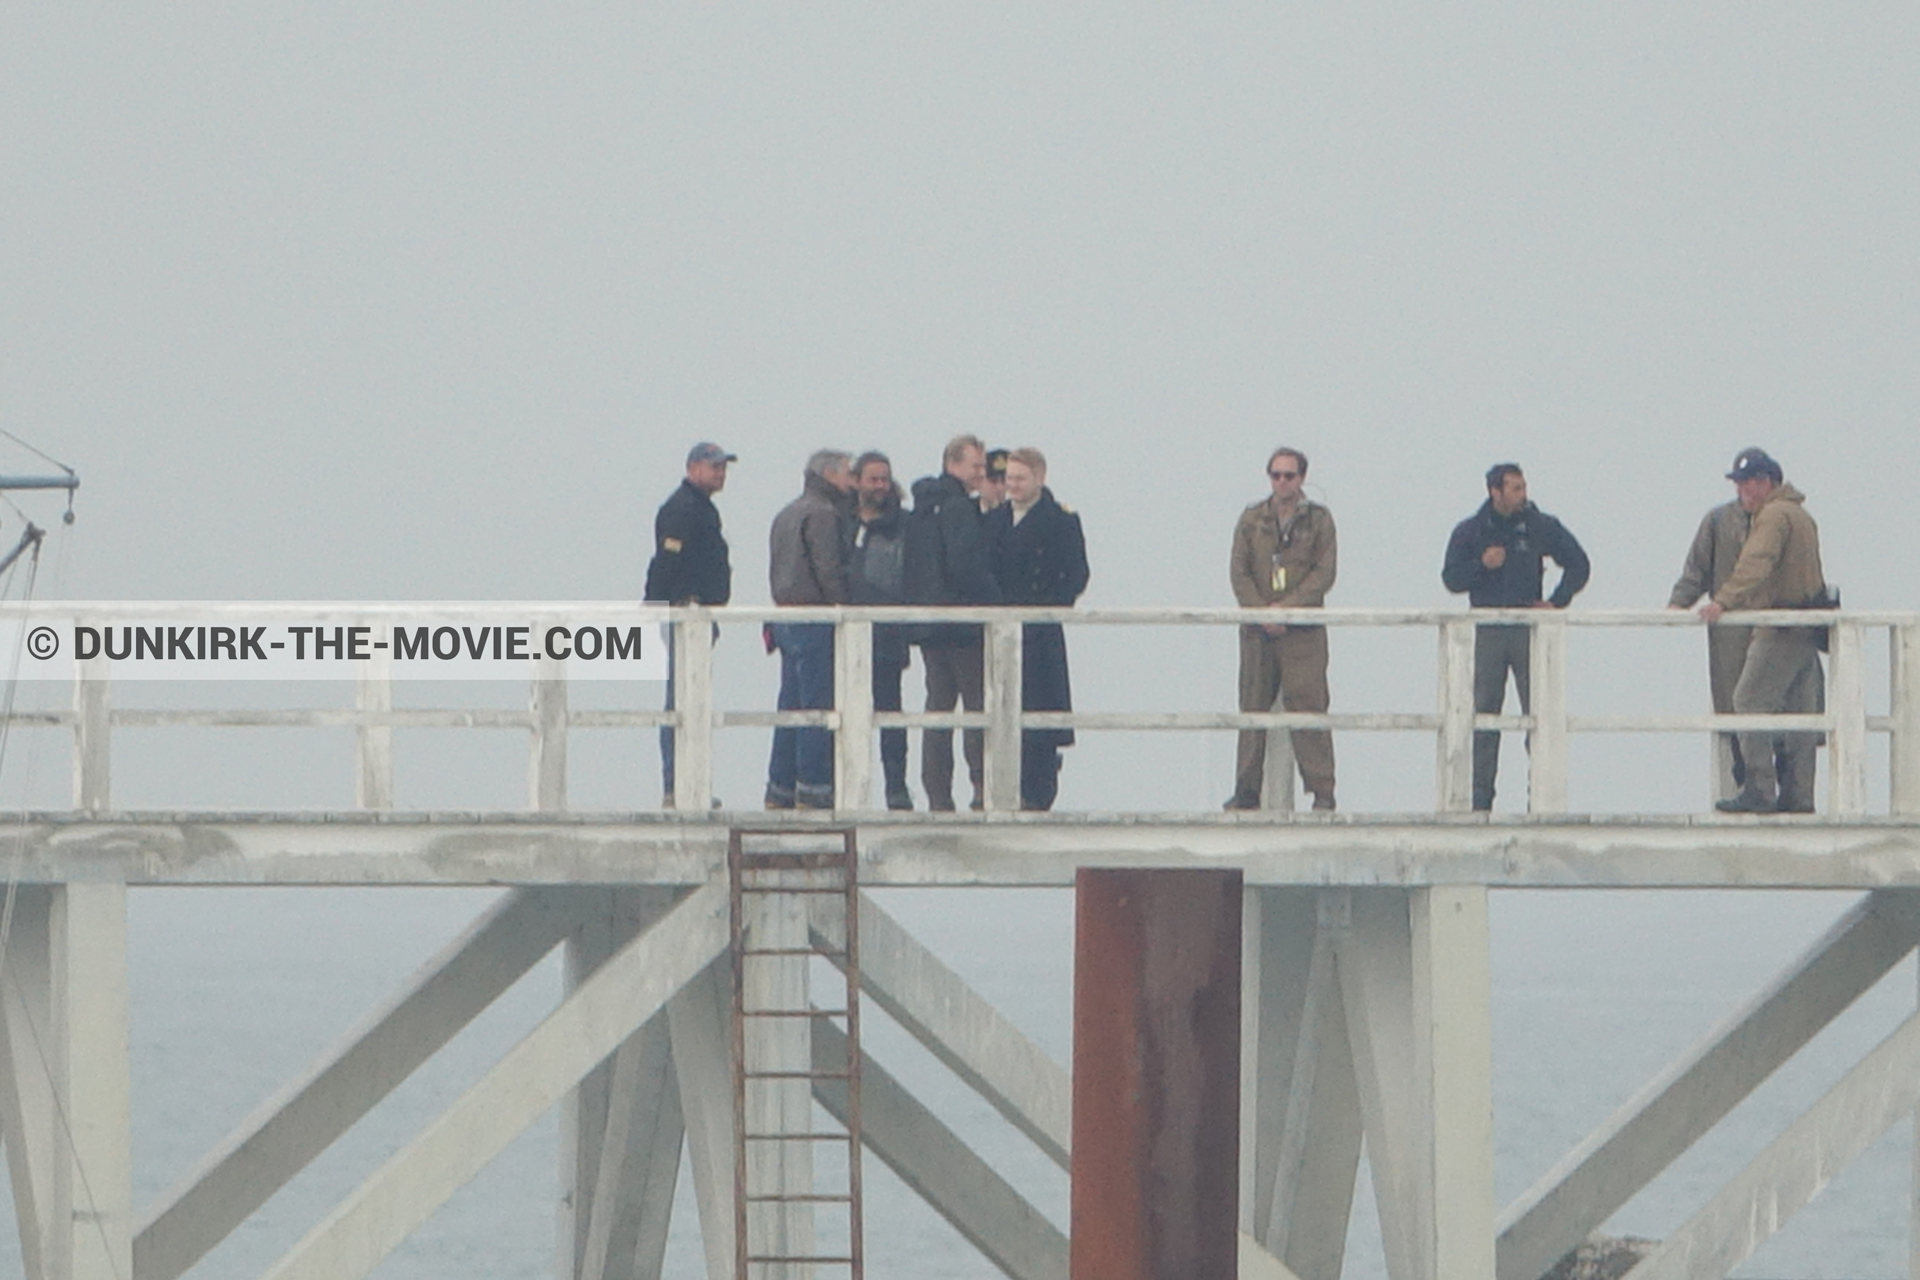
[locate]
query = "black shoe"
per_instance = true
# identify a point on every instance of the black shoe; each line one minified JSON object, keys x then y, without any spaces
{"x":899,"y":798}
{"x":1793,"y":806}
{"x":1748,"y":801}
{"x":977,"y":805}
{"x":1238,"y":801}
{"x":778,"y":797}
{"x":1323,"y":801}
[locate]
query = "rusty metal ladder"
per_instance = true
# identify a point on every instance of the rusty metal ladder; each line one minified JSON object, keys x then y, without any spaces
{"x":781,"y":882}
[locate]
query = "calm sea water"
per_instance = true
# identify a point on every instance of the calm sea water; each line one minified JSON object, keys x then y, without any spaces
{"x":235,"y":990}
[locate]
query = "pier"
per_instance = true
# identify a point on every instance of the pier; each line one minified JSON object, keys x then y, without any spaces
{"x":1366,"y":1013}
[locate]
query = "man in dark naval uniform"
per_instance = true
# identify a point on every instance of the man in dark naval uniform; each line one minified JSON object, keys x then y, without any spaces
{"x":689,"y":563}
{"x":1039,"y":558}
{"x":1495,"y":556}
{"x":947,"y":563}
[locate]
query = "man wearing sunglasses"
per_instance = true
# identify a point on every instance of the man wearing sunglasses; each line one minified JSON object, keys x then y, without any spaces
{"x":1284,"y":556}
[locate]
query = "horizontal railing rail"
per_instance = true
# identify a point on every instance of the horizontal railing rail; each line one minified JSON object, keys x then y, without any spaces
{"x":1846,"y":723}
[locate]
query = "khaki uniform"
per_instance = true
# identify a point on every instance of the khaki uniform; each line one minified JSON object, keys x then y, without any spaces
{"x":1710,"y":560}
{"x":1290,"y":565}
{"x":1779,"y":568}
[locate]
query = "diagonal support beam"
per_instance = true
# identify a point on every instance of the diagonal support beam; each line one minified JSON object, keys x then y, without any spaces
{"x":287,"y":1131}
{"x":632,"y":1204}
{"x":1317,"y":1157}
{"x":621,"y":996}
{"x":1797,"y":1165}
{"x":943,"y":1170}
{"x":1375,"y":960}
{"x":1687,"y":1099}
{"x":973,"y":1039}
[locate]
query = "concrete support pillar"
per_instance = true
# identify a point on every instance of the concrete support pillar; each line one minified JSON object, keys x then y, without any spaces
{"x":89,"y":1185}
{"x":620,"y":1129}
{"x":26,"y":1081}
{"x":1156,"y":1075}
{"x":1414,"y":977}
{"x":700,"y":1018}
{"x":778,"y":1106}
{"x":1300,"y":1132}
{"x":1453,"y":1030}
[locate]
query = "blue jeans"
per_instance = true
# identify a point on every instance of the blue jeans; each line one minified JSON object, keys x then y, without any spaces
{"x":802,"y":760}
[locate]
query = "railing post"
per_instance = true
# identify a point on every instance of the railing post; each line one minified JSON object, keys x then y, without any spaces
{"x":693,"y":703}
{"x":1004,"y":677}
{"x":1547,"y":763}
{"x":853,"y":703}
{"x":1276,"y":790}
{"x":1847,"y":703}
{"x":547,"y":752}
{"x":1454,"y":771}
{"x":1905,"y":706}
{"x":373,"y":783}
{"x":92,"y":733}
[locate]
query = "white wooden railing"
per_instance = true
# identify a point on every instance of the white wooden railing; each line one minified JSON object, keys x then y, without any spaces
{"x":547,"y":719}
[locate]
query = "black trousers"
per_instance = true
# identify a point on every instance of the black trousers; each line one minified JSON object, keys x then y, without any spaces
{"x":1496,"y":651}
{"x":956,"y":673}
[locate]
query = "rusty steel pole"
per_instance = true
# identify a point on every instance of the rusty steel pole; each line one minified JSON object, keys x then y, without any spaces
{"x":1156,"y":1075}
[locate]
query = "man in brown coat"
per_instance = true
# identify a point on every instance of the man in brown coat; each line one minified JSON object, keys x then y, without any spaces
{"x":1779,"y":568}
{"x":1284,"y":557}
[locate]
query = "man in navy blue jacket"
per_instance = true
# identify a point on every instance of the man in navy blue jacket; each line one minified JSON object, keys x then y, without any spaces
{"x":689,"y":564}
{"x":1495,"y":555}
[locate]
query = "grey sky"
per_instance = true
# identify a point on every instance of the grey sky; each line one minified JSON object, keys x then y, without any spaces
{"x":363,"y":301}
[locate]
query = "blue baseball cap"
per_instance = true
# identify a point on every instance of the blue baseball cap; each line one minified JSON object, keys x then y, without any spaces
{"x":1749,"y":463}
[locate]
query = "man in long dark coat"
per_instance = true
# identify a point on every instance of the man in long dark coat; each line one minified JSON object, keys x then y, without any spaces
{"x":1040,"y":558}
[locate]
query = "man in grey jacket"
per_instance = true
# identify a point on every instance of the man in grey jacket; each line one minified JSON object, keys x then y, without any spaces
{"x":1710,"y":560}
{"x":808,"y":566}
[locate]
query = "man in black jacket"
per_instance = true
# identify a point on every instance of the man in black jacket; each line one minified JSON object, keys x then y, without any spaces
{"x":876,"y":574}
{"x":1495,"y":556}
{"x":947,"y":564}
{"x":689,"y":564}
{"x":1039,"y":558}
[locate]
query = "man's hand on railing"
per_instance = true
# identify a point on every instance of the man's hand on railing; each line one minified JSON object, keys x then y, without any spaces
{"x":1710,"y":611}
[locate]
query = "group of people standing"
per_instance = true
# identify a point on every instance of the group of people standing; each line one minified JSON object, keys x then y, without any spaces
{"x":1759,"y":551}
{"x":986,"y":530}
